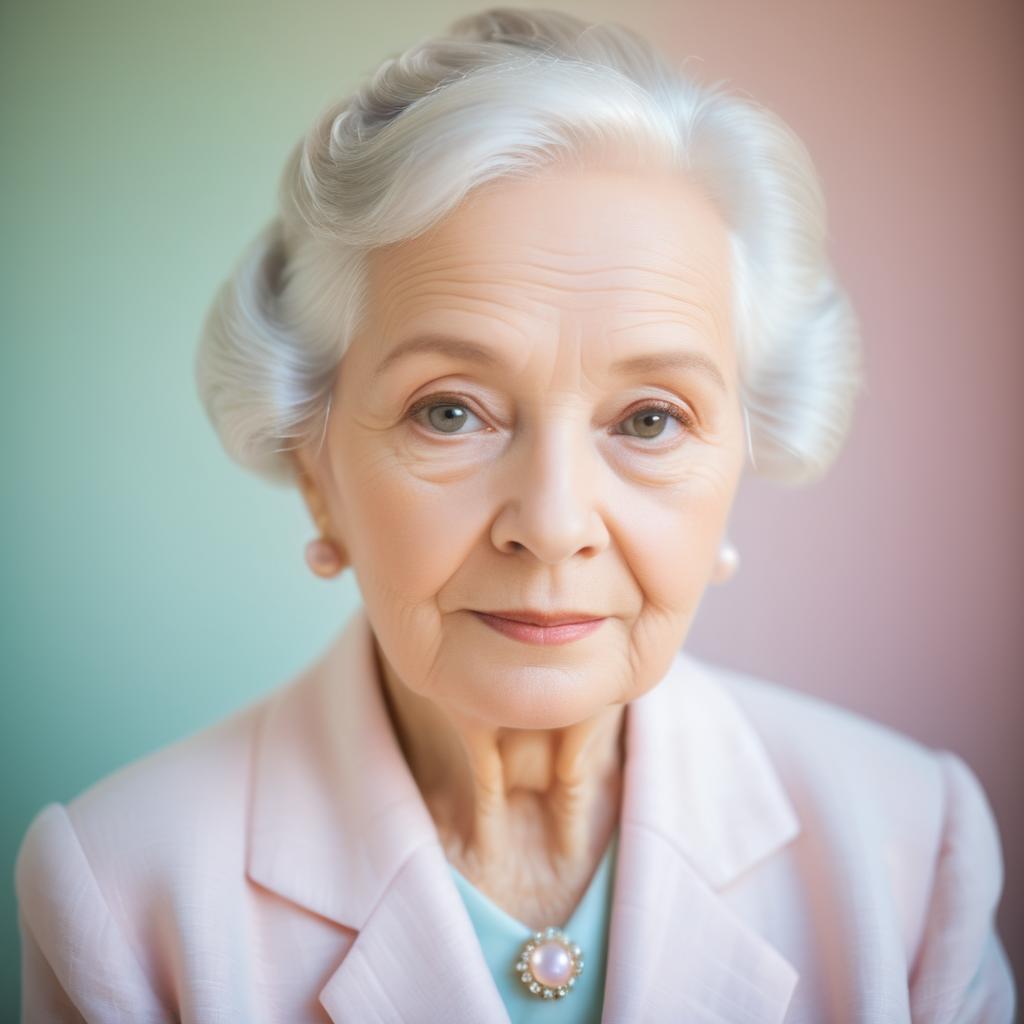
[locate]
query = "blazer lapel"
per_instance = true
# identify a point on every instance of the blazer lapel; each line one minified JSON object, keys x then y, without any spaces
{"x":417,"y":957}
{"x":701,"y":804}
{"x":338,"y":826}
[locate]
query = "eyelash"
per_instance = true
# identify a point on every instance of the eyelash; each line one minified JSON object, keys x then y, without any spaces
{"x":658,"y":404}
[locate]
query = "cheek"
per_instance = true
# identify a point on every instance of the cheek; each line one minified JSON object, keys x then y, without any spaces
{"x":411,"y":535}
{"x":673,"y":540}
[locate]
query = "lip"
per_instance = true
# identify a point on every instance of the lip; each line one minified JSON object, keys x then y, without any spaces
{"x":556,"y":631}
{"x":534,"y":618}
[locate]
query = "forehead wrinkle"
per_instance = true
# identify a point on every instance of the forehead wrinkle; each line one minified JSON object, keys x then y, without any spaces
{"x":652,"y":258}
{"x":529,"y":257}
{"x":597,"y":289}
{"x":671,"y":319}
{"x":526,"y":324}
{"x":516,"y":316}
{"x":685,"y":311}
{"x":462,"y":279}
{"x":503,"y":272}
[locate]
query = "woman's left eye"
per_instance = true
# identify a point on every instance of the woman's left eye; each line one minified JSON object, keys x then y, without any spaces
{"x":651,"y":418}
{"x":448,"y":413}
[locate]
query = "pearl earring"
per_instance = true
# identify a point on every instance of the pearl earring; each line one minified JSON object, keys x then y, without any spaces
{"x":322,"y":558}
{"x":728,"y":562}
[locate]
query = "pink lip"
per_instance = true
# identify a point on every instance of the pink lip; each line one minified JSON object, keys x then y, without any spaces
{"x":526,"y":632}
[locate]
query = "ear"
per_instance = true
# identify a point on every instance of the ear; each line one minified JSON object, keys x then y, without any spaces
{"x":312,"y":490}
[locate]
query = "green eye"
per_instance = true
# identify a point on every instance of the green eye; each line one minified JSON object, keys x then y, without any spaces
{"x":445,"y":414}
{"x":447,"y":418}
{"x":653,"y":418}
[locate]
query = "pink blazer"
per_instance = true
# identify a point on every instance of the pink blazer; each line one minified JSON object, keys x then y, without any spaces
{"x":780,"y":859}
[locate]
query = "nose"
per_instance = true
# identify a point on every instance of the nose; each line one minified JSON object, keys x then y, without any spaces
{"x":551,"y":495}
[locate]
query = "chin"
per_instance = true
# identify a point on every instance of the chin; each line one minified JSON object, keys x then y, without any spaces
{"x":533,"y":698}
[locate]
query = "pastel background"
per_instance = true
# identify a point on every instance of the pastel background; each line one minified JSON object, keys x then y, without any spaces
{"x":150,"y":586}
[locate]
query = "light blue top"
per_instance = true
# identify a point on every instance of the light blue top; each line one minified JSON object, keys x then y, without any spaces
{"x":502,"y":936}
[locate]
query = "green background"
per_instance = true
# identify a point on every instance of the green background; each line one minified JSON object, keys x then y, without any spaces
{"x":150,"y":586}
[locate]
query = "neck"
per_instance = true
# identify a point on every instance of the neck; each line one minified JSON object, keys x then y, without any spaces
{"x":497,"y":793}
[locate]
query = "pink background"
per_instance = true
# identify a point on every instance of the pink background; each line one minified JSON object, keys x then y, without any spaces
{"x":895,"y":586}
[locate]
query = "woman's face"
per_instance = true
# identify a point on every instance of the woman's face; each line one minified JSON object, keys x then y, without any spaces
{"x":504,"y":436}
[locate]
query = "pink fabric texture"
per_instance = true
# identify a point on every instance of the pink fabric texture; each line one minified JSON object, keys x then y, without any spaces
{"x":780,"y":859}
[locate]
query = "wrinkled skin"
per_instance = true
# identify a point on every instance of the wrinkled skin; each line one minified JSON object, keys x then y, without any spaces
{"x":542,"y":481}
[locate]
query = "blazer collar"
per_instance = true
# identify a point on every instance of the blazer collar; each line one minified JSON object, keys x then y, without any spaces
{"x":338,"y":826}
{"x":335,"y":808}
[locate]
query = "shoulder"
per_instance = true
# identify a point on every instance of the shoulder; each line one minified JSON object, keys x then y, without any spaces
{"x":875,"y":774}
{"x":825,"y":751}
{"x":193,"y":786}
{"x":98,"y":878}
{"x":909,"y":825}
{"x":857,"y":783}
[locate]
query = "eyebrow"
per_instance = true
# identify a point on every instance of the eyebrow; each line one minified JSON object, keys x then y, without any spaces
{"x":471,"y":351}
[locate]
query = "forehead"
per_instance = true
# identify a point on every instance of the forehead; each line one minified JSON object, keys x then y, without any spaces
{"x":573,"y":271}
{"x":579,"y":231}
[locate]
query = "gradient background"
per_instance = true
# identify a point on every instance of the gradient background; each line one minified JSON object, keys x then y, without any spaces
{"x":150,"y":586}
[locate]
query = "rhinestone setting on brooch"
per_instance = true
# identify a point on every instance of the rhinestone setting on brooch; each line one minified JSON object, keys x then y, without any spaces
{"x":549,"y":964}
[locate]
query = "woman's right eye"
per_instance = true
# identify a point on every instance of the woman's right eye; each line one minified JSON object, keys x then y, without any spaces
{"x":444,"y":417}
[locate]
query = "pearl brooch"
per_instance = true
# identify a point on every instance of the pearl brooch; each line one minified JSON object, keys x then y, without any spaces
{"x":549,"y":963}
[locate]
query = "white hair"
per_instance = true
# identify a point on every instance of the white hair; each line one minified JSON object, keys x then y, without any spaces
{"x":504,"y":94}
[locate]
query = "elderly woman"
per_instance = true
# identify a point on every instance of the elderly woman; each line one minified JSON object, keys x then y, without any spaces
{"x":532,"y":300}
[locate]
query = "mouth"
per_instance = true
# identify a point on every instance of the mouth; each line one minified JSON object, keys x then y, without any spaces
{"x":552,"y":628}
{"x":538,"y":618}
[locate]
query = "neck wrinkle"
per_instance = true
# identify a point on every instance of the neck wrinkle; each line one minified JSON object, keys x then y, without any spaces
{"x":494,"y":792}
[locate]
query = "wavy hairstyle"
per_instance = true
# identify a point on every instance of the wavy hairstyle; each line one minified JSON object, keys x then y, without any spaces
{"x":506,"y":93}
